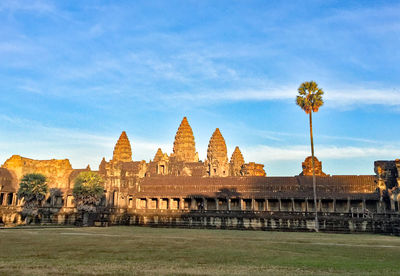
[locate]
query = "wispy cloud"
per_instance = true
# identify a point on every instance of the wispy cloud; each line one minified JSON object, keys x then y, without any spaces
{"x":359,"y":96}
{"x":356,"y":17}
{"x":28,"y":5}
{"x":81,"y":147}
{"x":12,"y":47}
{"x":300,"y":152}
{"x":342,"y":97}
{"x":354,"y":139}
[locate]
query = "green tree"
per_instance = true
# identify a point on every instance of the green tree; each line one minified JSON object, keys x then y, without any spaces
{"x":88,"y":191}
{"x":310,"y":100}
{"x":33,"y":189}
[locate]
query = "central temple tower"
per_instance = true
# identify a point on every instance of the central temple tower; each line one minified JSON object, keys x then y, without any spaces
{"x":123,"y":150}
{"x":184,"y":145}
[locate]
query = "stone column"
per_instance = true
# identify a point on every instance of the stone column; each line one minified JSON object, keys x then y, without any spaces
{"x":293,"y":207}
{"x":14,"y":199}
{"x":158,"y":203}
{"x":181,"y":205}
{"x":205,"y":203}
{"x":348,"y":205}
{"x":125,"y":201}
{"x":116,"y":199}
{"x":266,"y":206}
{"x":241,"y":204}
{"x":192,"y":203}
{"x":392,"y":204}
{"x":20,"y":201}
{"x":5,"y":199}
{"x":147,"y":203}
{"x":320,"y":205}
{"x":107,"y":199}
{"x":280,"y":204}
{"x":253,"y":204}
{"x":229,"y":204}
{"x":216,"y":204}
{"x":334,"y":205}
{"x":363,"y":205}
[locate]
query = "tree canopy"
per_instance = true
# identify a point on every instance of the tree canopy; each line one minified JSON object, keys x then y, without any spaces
{"x":33,"y":187}
{"x":310,"y":97}
{"x":88,"y":190}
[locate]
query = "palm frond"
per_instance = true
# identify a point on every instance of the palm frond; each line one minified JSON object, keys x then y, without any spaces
{"x":309,"y":97}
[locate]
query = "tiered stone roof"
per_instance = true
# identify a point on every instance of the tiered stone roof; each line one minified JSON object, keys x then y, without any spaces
{"x":122,"y":150}
{"x":328,"y":187}
{"x":184,"y":145}
{"x":159,"y":155}
{"x":237,"y":162}
{"x":217,"y":148}
{"x":102,"y":166}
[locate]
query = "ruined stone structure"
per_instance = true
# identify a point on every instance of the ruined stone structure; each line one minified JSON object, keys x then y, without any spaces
{"x":56,"y":171}
{"x":180,"y":190}
{"x":307,"y":167}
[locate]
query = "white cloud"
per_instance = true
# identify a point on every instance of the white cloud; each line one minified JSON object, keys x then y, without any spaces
{"x":360,"y":96}
{"x":338,"y":97}
{"x":84,"y":148}
{"x":263,"y":153}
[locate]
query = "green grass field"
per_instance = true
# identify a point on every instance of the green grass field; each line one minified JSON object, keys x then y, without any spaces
{"x":155,"y":251}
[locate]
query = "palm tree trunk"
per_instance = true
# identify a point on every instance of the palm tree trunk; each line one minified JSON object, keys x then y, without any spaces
{"x":313,"y":175}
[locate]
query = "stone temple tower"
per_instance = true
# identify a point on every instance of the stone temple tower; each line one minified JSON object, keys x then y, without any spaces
{"x":184,"y":145}
{"x":217,"y":158}
{"x":122,"y":150}
{"x":237,"y":161}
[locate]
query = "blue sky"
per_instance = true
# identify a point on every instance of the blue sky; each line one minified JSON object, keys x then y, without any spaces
{"x":74,"y":74}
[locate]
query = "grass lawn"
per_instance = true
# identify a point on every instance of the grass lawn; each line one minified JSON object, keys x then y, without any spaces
{"x":144,"y":251}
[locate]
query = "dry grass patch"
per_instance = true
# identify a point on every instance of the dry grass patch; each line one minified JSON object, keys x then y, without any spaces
{"x":161,"y":251}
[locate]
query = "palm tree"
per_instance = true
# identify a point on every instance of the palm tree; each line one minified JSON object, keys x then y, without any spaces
{"x":88,"y":192}
{"x":33,"y":189}
{"x":310,"y":100}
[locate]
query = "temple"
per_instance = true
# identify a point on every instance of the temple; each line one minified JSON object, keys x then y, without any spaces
{"x":180,"y":190}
